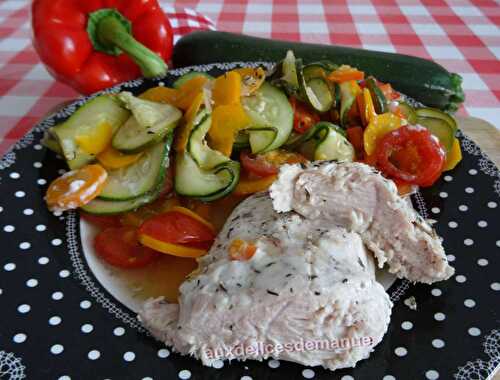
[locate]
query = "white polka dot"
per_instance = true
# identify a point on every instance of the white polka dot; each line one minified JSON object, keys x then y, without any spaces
{"x":498,"y":243}
{"x":64,"y":378}
{"x":492,"y":204}
{"x":147,"y":378}
{"x":40,"y":228}
{"x":184,"y":374}
{"x":41,"y":181}
{"x":19,"y":194}
{"x":57,"y":213}
{"x":482,"y":262}
{"x":468,"y":242}
{"x":38,"y":147}
{"x":129,"y":356}
{"x":469,"y":303}
{"x":432,"y":375}
{"x":347,"y":377}
{"x":9,"y":228}
{"x":474,"y":331}
{"x":19,"y":338}
{"x":448,"y":178}
{"x":32,"y":282}
{"x":43,"y":260}
{"x":273,"y":363}
{"x":439,"y":317}
{"x":163,"y":353}
{"x":437,"y":343}
{"x":218,"y":364}
{"x":463,"y":208}
{"x":460,"y":278}
{"x":436,"y":292}
{"x":388,"y":377}
{"x":482,"y":223}
{"x":61,"y":171}
{"x":472,"y":171}
{"x":64,"y":273}
{"x":469,"y":190}
{"x":25,"y":245}
{"x":9,"y":267}
{"x":452,"y":224}
{"x":55,"y":320}
{"x":56,"y":242}
{"x":24,"y":308}
{"x":246,"y":378}
{"x":406,"y":325}
{"x":28,"y":211}
{"x":85,"y":304}
{"x":56,"y":349}
{"x":451,"y":258}
{"x":56,"y":296}
{"x":400,"y":351}
{"x":87,"y":328}
{"x":1,"y":209}
{"x":443,"y":194}
{"x":37,"y":165}
{"x":14,"y":175}
{"x":435,"y":210}
{"x":93,"y":355}
{"x":119,"y":331}
{"x":495,"y":286}
{"x":308,"y":373}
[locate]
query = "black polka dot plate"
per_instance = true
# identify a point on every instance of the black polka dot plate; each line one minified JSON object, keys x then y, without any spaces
{"x":65,"y":315}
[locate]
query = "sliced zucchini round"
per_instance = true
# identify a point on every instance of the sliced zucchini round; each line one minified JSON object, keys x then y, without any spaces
{"x":347,"y":98}
{"x":408,"y":111}
{"x":242,"y":141}
{"x":106,"y":207}
{"x":439,"y":128}
{"x":268,"y":109}
{"x":326,"y":141}
{"x":139,"y":178}
{"x":186,"y":77}
{"x":150,"y":123}
{"x":379,"y":99}
{"x":319,"y":95}
{"x":206,"y":185}
{"x":437,"y":114}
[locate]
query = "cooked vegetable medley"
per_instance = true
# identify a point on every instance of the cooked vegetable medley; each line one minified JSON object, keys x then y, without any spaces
{"x":153,"y":170}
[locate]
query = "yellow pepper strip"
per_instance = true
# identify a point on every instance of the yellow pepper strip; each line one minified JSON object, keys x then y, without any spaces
{"x":192,"y":214}
{"x":369,"y":109}
{"x":185,"y":130}
{"x":113,"y":159}
{"x":251,"y":79}
{"x":454,"y":156}
{"x":97,"y":140}
{"x":227,"y":89}
{"x":250,"y":186}
{"x":161,"y":94}
{"x":378,"y":127}
{"x":227,"y":120}
{"x":169,"y":248}
{"x":189,"y":91}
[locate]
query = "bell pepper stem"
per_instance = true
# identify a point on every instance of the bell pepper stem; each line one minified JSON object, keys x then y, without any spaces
{"x":109,"y":32}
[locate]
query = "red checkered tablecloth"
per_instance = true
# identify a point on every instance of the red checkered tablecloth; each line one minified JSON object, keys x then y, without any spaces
{"x":462,"y":35}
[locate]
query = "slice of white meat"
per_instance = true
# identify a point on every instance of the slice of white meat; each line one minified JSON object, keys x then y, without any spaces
{"x":358,"y":198}
{"x":308,"y":295}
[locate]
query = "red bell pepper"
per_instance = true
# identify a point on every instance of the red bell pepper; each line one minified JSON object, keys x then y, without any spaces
{"x":94,"y":44}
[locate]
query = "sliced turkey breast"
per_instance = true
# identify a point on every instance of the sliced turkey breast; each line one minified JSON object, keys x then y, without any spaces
{"x":358,"y":198}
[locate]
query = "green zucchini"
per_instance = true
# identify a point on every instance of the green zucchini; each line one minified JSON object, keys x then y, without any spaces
{"x":435,"y":113}
{"x":272,"y":118}
{"x":408,"y":111}
{"x":85,"y":120}
{"x":242,"y":141}
{"x":423,"y":80}
{"x":140,"y":177}
{"x":347,"y":99}
{"x":379,"y":100}
{"x":186,"y":77}
{"x":149,"y":123}
{"x":326,"y":141}
{"x":50,"y":142}
{"x":439,"y":128}
{"x":206,"y":185}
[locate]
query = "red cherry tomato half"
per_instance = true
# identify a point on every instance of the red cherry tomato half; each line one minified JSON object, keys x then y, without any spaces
{"x":176,"y":228}
{"x":412,"y":155}
{"x":119,"y":247}
{"x":303,"y":117}
{"x":101,"y":221}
